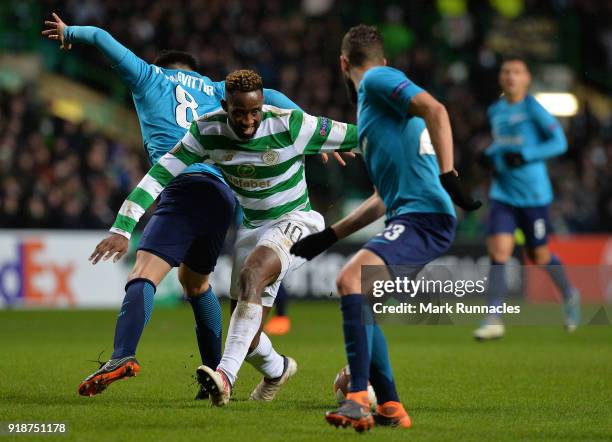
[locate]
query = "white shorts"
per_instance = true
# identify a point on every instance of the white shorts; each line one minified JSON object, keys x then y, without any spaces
{"x":279,"y":235}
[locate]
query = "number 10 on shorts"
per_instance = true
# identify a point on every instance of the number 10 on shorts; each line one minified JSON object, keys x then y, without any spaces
{"x":293,"y":232}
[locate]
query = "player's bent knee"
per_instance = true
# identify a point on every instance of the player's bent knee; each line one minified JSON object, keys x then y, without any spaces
{"x":499,"y":254}
{"x":249,"y":275}
{"x":540,"y":256}
{"x":193,"y":283}
{"x":251,"y":284}
{"x":500,"y":247}
{"x":499,"y":257}
{"x":192,"y":288}
{"x":138,"y":271}
{"x":144,"y":272}
{"x":149,"y":266}
{"x":347,"y":282}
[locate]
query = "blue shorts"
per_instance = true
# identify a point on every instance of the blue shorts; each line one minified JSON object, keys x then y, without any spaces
{"x":189,"y":225}
{"x":533,"y":221}
{"x":414,"y":239}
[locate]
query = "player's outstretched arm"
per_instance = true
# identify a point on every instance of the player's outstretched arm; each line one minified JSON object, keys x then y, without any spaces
{"x":136,"y":204}
{"x":341,"y":137}
{"x":55,"y":31}
{"x":139,"y":200}
{"x":314,"y":135}
{"x":392,"y":90}
{"x":367,"y":212}
{"x":157,"y":178}
{"x":132,"y":68}
{"x":438,"y":125}
{"x":187,"y":152}
{"x":280,"y":100}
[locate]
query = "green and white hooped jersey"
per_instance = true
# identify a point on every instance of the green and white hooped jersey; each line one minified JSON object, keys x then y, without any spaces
{"x":265,"y":172}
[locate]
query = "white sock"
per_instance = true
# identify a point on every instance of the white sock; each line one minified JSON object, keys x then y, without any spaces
{"x":243,"y":327}
{"x":265,"y":359}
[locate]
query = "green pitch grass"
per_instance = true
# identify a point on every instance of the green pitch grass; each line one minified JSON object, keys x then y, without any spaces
{"x":537,"y":383}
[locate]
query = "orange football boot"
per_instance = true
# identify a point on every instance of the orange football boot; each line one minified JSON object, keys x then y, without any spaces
{"x":354,"y":411}
{"x":392,"y":414}
{"x":110,"y":372}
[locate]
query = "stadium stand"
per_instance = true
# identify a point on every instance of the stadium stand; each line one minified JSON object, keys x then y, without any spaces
{"x":74,"y":176}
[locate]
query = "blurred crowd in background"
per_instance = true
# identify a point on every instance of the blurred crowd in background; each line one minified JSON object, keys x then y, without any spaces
{"x":55,"y":174}
{"x":62,"y":175}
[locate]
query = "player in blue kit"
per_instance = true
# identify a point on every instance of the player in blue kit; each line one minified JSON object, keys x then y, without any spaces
{"x":406,"y":141}
{"x":525,"y":135}
{"x":168,"y":95}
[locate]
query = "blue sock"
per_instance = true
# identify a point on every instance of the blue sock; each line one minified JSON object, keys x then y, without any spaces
{"x":281,"y":301}
{"x":207,"y":314}
{"x":497,"y":283}
{"x":356,"y":340}
{"x":381,"y":375}
{"x":134,"y":315}
{"x":556,"y":271}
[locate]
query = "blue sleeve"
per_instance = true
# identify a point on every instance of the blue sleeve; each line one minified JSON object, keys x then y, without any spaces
{"x":390,"y":88}
{"x":134,"y":70}
{"x":554,"y":143}
{"x":219,"y":89}
{"x":278,"y":99}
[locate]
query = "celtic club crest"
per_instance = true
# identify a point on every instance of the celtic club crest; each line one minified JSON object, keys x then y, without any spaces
{"x":270,"y":157}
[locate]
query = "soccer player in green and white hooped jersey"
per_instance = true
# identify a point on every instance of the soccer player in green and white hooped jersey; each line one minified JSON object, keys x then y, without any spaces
{"x":260,"y":150}
{"x":168,"y":95}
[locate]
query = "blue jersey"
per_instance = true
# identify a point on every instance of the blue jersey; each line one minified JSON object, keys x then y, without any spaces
{"x":398,"y":153}
{"x":527,"y":128}
{"x":166,"y":100}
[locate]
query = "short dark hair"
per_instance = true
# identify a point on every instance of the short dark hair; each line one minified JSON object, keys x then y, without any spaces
{"x":167,"y":58}
{"x":362,"y":43}
{"x":243,"y":80}
{"x":514,"y":57}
